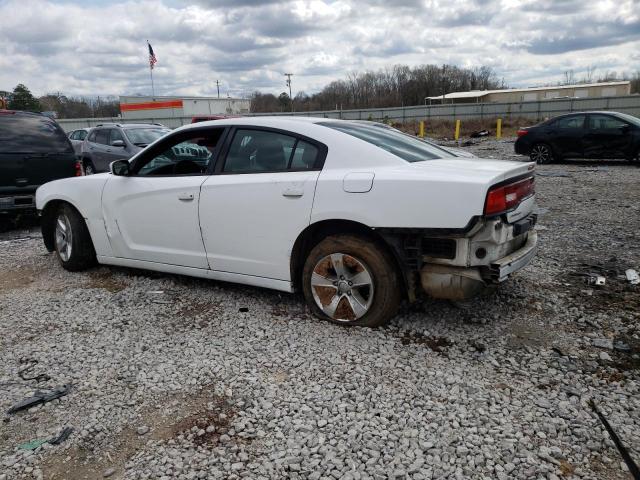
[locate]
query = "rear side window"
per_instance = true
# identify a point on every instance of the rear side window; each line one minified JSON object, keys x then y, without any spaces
{"x":406,"y":147}
{"x":31,"y":134}
{"x":570,"y":122}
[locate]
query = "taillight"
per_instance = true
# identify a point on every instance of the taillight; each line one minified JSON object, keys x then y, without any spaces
{"x":521,"y":132}
{"x":506,"y":197}
{"x":79,"y":172}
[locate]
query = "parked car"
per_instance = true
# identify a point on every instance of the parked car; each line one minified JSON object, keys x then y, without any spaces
{"x":581,"y":135}
{"x":113,"y":141}
{"x":33,"y":150}
{"x":457,"y":152}
{"x":77,"y":139}
{"x":354,"y":216}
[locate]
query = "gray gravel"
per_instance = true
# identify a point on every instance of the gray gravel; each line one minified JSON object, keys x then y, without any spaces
{"x":170,"y":380}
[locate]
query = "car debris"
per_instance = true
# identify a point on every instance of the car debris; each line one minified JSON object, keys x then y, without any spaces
{"x":38,"y":398}
{"x":633,"y":468}
{"x":41,"y":377}
{"x":57,"y":440}
{"x":632,"y":276}
{"x":62,"y":436}
{"x":480,"y":133}
{"x":595,"y":280}
{"x":32,"y":445}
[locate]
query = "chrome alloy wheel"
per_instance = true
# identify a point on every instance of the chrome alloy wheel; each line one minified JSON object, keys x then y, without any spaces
{"x":342,"y":287}
{"x":541,"y":154}
{"x":64,"y":237}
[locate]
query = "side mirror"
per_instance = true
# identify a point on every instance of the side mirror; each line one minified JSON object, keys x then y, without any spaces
{"x":120,"y":168}
{"x":118,"y":143}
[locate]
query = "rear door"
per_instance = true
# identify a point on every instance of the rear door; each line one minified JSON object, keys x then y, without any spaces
{"x":33,"y":150}
{"x":260,"y":199}
{"x":567,"y":134}
{"x":608,"y":137}
{"x":98,"y":150}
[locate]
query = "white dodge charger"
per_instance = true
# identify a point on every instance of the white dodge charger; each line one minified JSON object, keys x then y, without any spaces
{"x":356,"y":217}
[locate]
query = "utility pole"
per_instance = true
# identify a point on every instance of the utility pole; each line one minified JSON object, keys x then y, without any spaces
{"x":288,"y":75}
{"x":218,"y":87}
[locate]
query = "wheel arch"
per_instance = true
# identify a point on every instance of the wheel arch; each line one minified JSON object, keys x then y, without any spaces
{"x":48,"y":215}
{"x":316,"y":232}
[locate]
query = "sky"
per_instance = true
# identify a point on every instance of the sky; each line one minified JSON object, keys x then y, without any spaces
{"x":98,"y":47}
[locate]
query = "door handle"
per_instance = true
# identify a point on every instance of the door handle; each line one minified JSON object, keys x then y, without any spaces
{"x":185,"y":197}
{"x":293,"y":192}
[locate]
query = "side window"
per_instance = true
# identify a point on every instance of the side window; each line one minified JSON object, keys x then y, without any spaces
{"x":115,"y":135}
{"x":102,"y":136}
{"x":576,"y":121}
{"x":189,"y":153}
{"x":605,"y":122}
{"x":259,"y":151}
{"x":92,"y":136}
{"x":81,"y":134}
{"x":304,"y":156}
{"x":73,"y":135}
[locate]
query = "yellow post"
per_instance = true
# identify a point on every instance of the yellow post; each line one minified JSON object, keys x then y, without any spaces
{"x":457,"y":134}
{"x":499,"y":129}
{"x":421,"y":134}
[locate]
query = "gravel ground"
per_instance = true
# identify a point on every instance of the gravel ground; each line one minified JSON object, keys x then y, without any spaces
{"x":173,"y":377}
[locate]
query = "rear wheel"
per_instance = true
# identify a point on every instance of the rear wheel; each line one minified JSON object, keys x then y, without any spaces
{"x":72,"y":241}
{"x":541,"y":153}
{"x":351,"y":280}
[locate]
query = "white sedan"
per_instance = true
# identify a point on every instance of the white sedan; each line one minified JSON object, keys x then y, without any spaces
{"x":354,"y":216}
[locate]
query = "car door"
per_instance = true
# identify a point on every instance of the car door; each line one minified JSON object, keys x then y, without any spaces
{"x":608,"y":137}
{"x":253,"y":209}
{"x":152,"y":214}
{"x":98,"y":143}
{"x":116,"y":152}
{"x":566,"y":136}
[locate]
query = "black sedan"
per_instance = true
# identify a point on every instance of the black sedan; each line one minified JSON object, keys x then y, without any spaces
{"x":581,"y":135}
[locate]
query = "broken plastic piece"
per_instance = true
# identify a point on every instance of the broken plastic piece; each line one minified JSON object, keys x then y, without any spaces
{"x":40,"y":397}
{"x":632,"y":276}
{"x":32,"y":445}
{"x":596,"y":280}
{"x":62,"y":436}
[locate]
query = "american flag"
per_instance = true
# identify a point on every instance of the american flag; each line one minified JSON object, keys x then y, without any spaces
{"x":152,"y":57}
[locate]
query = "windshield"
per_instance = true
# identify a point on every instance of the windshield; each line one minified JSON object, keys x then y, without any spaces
{"x":145,"y":136}
{"x":629,"y":118}
{"x":411,"y":149}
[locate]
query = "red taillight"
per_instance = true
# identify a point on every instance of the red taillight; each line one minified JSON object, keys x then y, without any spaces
{"x":521,"y":132}
{"x":505,"y":197}
{"x":79,"y":172}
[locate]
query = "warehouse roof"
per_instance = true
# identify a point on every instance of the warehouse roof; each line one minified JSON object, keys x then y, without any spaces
{"x":482,"y":93}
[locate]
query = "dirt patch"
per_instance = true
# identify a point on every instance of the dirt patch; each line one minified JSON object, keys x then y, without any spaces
{"x":18,"y":278}
{"x":201,"y":419}
{"x":104,"y":278}
{"x":437,"y":344}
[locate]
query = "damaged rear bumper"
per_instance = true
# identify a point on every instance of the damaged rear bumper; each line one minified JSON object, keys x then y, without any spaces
{"x":501,"y":269}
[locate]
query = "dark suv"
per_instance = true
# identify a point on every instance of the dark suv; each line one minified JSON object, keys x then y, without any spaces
{"x":33,"y":150}
{"x":108,"y":142}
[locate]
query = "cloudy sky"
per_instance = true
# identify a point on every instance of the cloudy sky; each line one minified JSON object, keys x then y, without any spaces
{"x":94,"y":47}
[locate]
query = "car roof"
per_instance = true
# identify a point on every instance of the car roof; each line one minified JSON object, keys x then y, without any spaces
{"x":21,"y":112}
{"x":129,"y":125}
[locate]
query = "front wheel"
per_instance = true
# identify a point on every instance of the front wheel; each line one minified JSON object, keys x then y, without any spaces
{"x":351,"y":280}
{"x":541,"y":153}
{"x":72,"y":241}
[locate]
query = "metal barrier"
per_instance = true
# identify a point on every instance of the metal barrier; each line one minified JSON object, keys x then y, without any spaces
{"x":537,"y":110}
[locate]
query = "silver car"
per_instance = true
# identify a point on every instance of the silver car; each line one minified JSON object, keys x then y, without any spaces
{"x":77,"y":137}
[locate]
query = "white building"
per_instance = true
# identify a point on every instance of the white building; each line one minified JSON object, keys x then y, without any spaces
{"x":160,"y":108}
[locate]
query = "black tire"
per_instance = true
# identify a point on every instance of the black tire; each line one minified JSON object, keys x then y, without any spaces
{"x":541,"y":153}
{"x":359,"y":254}
{"x":80,"y":255}
{"x":89,"y":168}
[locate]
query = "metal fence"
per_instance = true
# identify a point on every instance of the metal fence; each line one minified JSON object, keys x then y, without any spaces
{"x":537,"y":110}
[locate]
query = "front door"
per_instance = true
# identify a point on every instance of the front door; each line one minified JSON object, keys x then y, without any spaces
{"x":607,"y":137}
{"x":152,"y":215}
{"x":253,"y":209}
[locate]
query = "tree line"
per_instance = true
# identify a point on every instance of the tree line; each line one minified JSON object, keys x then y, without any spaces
{"x":389,"y":87}
{"x":21,"y":98}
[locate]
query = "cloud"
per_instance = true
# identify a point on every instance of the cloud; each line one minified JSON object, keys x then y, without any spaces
{"x":92,"y":47}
